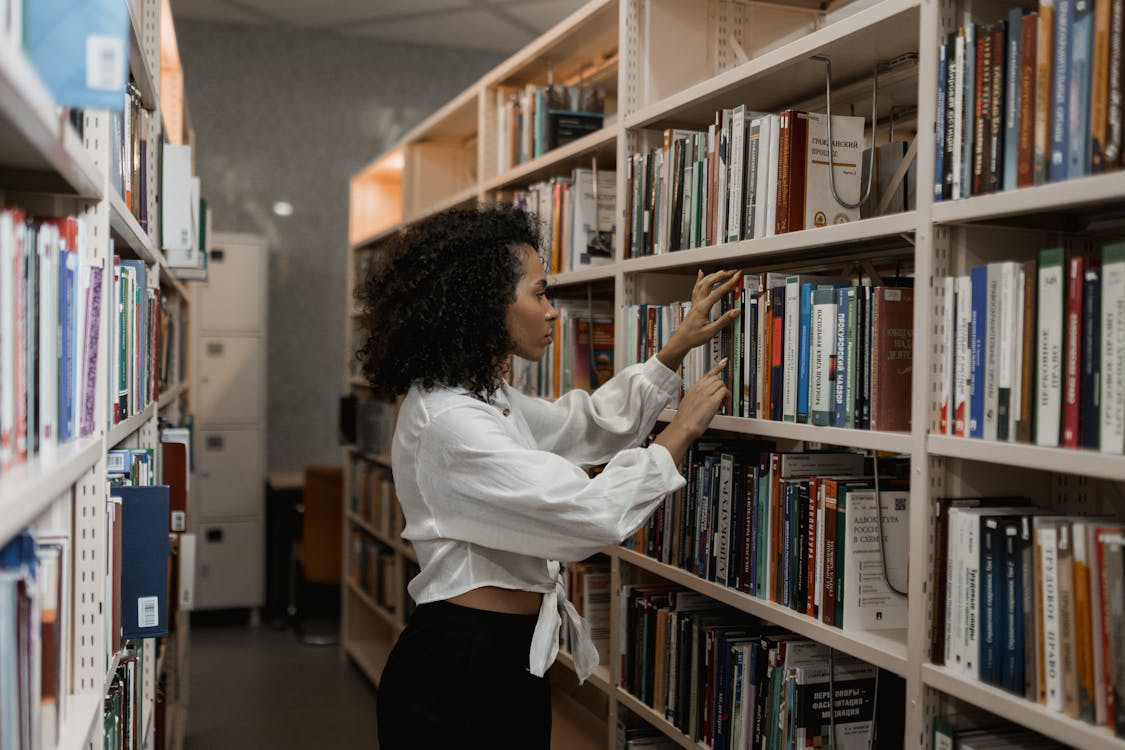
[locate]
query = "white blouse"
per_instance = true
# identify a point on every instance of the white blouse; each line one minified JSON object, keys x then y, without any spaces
{"x":495,"y":494}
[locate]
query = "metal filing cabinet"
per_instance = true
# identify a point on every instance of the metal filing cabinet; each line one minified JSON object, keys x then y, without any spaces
{"x":228,"y":381}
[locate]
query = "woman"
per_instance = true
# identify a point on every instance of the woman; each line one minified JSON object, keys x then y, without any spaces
{"x":492,"y":482}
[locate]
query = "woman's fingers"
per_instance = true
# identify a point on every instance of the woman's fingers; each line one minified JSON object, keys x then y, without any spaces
{"x":718,"y":292}
{"x":703,"y":283}
{"x":714,"y":371}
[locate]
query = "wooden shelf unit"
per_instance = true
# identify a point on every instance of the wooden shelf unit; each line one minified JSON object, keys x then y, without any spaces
{"x":769,"y":69}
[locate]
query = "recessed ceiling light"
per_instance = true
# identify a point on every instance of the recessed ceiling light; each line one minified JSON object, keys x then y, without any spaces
{"x":282,"y":208}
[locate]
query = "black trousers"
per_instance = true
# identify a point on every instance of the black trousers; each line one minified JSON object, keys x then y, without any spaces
{"x":458,"y":678}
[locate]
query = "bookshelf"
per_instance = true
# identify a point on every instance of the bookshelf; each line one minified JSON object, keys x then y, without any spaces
{"x":47,"y":168}
{"x":721,"y":60}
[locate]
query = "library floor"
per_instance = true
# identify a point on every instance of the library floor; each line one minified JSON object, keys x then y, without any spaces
{"x":256,"y":687}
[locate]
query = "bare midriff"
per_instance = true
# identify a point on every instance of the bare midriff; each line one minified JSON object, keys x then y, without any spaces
{"x":494,"y":599}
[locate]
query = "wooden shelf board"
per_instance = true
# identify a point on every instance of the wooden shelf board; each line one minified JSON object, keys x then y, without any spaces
{"x":463,"y":196}
{"x":373,"y":241}
{"x":384,"y":614}
{"x":784,"y":76}
{"x":172,"y":394}
{"x":573,"y":727}
{"x":895,"y":442}
{"x":1062,"y":460}
{"x":28,"y":489}
{"x":631,"y":702}
{"x":455,"y":120}
{"x":370,"y":655}
{"x":855,"y":238}
{"x":599,"y":679}
{"x":582,"y":276}
{"x":127,"y":231}
{"x":886,"y":648}
{"x":39,"y":151}
{"x":401,"y":545}
{"x":1016,"y":708}
{"x":561,"y":161}
{"x":1042,"y":204}
{"x":125,"y":429}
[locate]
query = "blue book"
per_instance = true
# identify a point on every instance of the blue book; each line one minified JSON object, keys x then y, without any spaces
{"x":977,"y":329}
{"x":1012,"y":99}
{"x":80,"y":49}
{"x":804,"y":328}
{"x":1060,"y":90}
{"x":144,"y":561}
{"x":703,"y":550}
{"x":68,"y":340}
{"x":1078,"y":97}
{"x":991,"y":598}
{"x":839,"y":400}
{"x":939,"y":132}
{"x":1011,"y":665}
{"x":968,"y":102}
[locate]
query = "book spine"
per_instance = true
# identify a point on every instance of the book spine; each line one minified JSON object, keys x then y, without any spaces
{"x":1029,"y":45}
{"x":1051,"y":682}
{"x":939,"y":129}
{"x":1011,"y":669}
{"x":1060,"y":90}
{"x":944,"y":131}
{"x":977,"y":337}
{"x":1078,"y":95}
{"x":803,"y":352}
{"x":1068,"y":667}
{"x":1044,"y":59}
{"x":1083,"y":627}
{"x":1028,"y":572}
{"x":1025,"y":421}
{"x":778,"y":353}
{"x":1049,"y":348}
{"x":751,"y":179}
{"x":956,"y":149}
{"x":939,"y":619}
{"x":991,"y":602}
{"x":1112,"y":360}
{"x":981,"y":108}
{"x":968,"y":116}
{"x":1012,"y":98}
{"x":1076,"y":270}
{"x":1099,"y":85}
{"x":784,"y":164}
{"x":993,"y":317}
{"x":996,"y":109}
{"x":839,"y":390}
{"x":852,"y":358}
{"x":1115,"y":94}
{"x":1089,"y":392}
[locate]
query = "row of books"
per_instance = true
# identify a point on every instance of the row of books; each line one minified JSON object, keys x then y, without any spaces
{"x":977,"y":731}
{"x":128,"y":174}
{"x":750,"y":174}
{"x":731,"y":681}
{"x":1035,"y":351}
{"x":1031,"y":602}
{"x":588,"y":589}
{"x":50,"y":308}
{"x":581,"y":355}
{"x":375,"y":427}
{"x":373,"y":496}
{"x":577,"y":219}
{"x":372,"y":568}
{"x":808,"y":349}
{"x":1030,"y":99}
{"x":798,"y":529}
{"x":141,"y":341}
{"x":35,"y":648}
{"x":532,"y":121}
{"x":123,"y":704}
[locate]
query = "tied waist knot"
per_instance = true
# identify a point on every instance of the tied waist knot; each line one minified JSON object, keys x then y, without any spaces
{"x":545,"y":639}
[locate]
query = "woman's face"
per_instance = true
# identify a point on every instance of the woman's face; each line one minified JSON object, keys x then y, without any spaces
{"x":531,"y":317}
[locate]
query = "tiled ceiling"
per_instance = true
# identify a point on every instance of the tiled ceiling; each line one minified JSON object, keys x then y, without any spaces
{"x":496,"y":25}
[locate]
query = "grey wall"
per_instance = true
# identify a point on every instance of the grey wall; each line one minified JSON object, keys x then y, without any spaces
{"x":286,"y":115}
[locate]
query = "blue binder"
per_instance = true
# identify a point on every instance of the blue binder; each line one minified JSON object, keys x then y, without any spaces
{"x":144,"y":561}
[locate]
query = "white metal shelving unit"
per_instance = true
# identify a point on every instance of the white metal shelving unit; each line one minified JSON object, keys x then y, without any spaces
{"x":45,"y":162}
{"x":934,"y":239}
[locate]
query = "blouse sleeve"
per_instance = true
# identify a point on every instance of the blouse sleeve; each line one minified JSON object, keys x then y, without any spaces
{"x":483,"y":487}
{"x":589,"y":429}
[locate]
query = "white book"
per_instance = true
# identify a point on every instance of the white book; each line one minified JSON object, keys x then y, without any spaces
{"x":958,"y":110}
{"x":751,"y":287}
{"x":187,"y":572}
{"x":1049,"y":348}
{"x":963,"y":356}
{"x":592,"y":223}
{"x":737,"y":173}
{"x":821,"y":206}
{"x":1007,"y":334}
{"x":7,"y":340}
{"x":177,"y":213}
{"x":1015,"y":411}
{"x":1046,"y":545}
{"x":48,"y":251}
{"x":771,"y":178}
{"x":723,"y":184}
{"x":761,"y":175}
{"x":1112,"y":427}
{"x":869,"y":603}
{"x":992,"y":335}
{"x":945,"y":367}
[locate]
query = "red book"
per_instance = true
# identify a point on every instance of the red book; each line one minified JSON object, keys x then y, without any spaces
{"x":1072,"y":363}
{"x":828,"y":601}
{"x":175,"y":473}
{"x":781,"y":220}
{"x":892,"y":358}
{"x":798,"y":150}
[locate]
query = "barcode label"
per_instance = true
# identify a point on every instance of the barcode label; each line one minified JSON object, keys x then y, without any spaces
{"x":105,"y":63}
{"x":148,"y":612}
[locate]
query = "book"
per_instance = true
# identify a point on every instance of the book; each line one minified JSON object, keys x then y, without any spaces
{"x":1049,"y":348}
{"x":1044,"y":62}
{"x":1112,"y":355}
{"x":1072,"y":362}
{"x":892,"y":357}
{"x":144,"y":561}
{"x":1029,"y":48}
{"x":821,"y":206}
{"x":1060,"y":89}
{"x":870,"y":598}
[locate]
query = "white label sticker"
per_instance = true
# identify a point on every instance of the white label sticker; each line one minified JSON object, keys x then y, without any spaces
{"x":893,"y":295}
{"x":148,"y":612}
{"x":178,"y":522}
{"x":105,"y":63}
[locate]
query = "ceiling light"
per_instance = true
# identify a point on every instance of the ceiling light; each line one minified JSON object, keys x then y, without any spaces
{"x":282,"y":208}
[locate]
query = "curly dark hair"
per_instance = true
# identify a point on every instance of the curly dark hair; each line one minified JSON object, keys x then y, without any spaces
{"x":434,"y":305}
